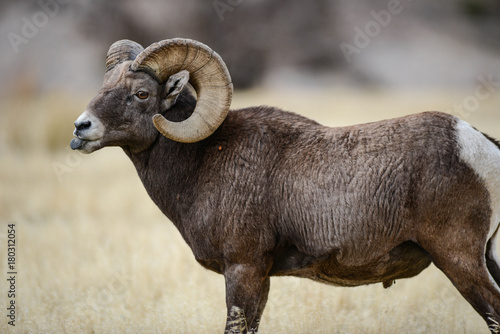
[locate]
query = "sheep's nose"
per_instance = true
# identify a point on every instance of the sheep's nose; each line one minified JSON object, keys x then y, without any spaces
{"x":82,"y":125}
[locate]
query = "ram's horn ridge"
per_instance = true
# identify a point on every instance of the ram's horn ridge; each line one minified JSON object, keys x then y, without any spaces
{"x":208,"y":76}
{"x":121,"y":51}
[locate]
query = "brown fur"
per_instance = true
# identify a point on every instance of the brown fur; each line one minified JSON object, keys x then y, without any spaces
{"x":273,"y":193}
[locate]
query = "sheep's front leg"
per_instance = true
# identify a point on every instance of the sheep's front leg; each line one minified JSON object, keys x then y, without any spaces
{"x":246,"y":293}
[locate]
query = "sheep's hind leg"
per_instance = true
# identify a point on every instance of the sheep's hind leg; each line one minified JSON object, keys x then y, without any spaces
{"x":491,"y":258}
{"x":469,"y":274}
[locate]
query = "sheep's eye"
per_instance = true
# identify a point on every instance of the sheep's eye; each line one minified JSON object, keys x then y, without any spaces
{"x":142,"y":95}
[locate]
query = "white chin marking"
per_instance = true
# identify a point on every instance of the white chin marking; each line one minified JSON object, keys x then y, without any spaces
{"x":91,"y":146}
{"x":484,"y":157}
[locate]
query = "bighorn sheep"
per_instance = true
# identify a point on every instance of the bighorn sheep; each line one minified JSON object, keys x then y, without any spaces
{"x":261,"y":192}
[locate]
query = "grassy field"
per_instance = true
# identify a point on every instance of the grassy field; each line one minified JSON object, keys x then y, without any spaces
{"x":94,"y":254}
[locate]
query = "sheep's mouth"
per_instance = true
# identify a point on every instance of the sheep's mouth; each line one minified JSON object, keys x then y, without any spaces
{"x":78,"y":144}
{"x":86,"y":146}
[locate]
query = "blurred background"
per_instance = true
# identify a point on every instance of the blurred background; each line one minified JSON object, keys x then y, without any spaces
{"x":95,"y":255}
{"x":421,"y":44}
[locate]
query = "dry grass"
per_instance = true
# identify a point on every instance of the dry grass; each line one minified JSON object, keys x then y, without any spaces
{"x":96,"y":255}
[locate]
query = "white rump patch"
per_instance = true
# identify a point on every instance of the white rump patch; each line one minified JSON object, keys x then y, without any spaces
{"x":484,"y":157}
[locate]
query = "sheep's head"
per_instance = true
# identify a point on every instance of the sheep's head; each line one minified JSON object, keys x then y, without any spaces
{"x":141,"y":85}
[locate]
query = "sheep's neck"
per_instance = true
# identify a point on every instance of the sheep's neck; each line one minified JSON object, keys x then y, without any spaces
{"x":166,"y":171}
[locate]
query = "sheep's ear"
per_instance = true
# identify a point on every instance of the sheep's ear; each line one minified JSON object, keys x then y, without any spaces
{"x":174,"y":86}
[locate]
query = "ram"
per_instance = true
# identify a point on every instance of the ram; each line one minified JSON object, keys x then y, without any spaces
{"x":260,"y":192}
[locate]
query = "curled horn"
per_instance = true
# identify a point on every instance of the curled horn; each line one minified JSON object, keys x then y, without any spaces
{"x":208,"y":76}
{"x":121,"y":51}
